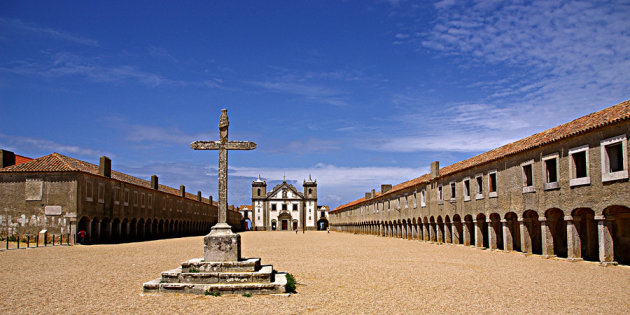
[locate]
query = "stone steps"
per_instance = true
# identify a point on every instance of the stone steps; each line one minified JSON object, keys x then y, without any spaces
{"x":275,"y":287}
{"x":234,"y":277}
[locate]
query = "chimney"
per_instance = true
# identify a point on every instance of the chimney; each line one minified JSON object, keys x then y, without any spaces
{"x":210,"y":200}
{"x":368,"y":195}
{"x":155,"y":183}
{"x":182,"y":190}
{"x":105,"y":167}
{"x":386,"y":188}
{"x":198,"y":195}
{"x":373,"y":193}
{"x":435,"y":169}
{"x":7,"y":158}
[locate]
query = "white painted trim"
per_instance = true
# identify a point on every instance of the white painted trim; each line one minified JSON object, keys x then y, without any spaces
{"x":605,"y":161}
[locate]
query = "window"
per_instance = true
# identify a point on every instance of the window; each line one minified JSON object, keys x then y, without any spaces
{"x":116,"y":193}
{"x":415,"y":199}
{"x":295,"y":207}
{"x":258,"y":192}
{"x":398,"y":204}
{"x":406,"y":201}
{"x":527,"y":176}
{"x":389,"y":204}
{"x":550,"y":171}
{"x":492,"y":184}
{"x":614,"y":161}
{"x":453,"y":195}
{"x":578,"y":166}
{"x":101,"y":193}
{"x":310,"y":191}
{"x":142,"y":200}
{"x":479,"y":180}
{"x":440,"y":194}
{"x":466,"y":185}
{"x":126,"y":202}
{"x":423,"y":198}
{"x":284,"y":206}
{"x":89,"y":191}
{"x":273,"y":207}
{"x":150,"y":201}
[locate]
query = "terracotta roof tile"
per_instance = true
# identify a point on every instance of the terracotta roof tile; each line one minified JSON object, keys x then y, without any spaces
{"x":56,"y":162}
{"x":604,"y":117}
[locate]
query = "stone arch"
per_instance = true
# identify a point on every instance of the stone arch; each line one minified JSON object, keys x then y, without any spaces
{"x":148,"y":234}
{"x":106,"y":230}
{"x":439,"y":228}
{"x":582,"y":235}
{"x":85,"y":226}
{"x":116,"y":230}
{"x":124,"y":230}
{"x":481,"y":231}
{"x":554,"y":233}
{"x":448,"y":230}
{"x":403,"y":232}
{"x":95,"y":227}
{"x":530,"y":233}
{"x":155,"y":232}
{"x":511,"y":232}
{"x":468,"y":235}
{"x":425,"y":229}
{"x":458,"y":230}
{"x":140,"y":229}
{"x":133,"y":229}
{"x":495,"y":232}
{"x":615,"y":228}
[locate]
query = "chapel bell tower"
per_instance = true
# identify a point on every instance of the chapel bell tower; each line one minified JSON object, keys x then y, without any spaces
{"x":310,"y":189}
{"x":259,"y":189}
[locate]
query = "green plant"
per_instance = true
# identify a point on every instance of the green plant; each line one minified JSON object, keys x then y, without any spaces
{"x":290,"y":286}
{"x":247,"y":294}
{"x":193,"y":270}
{"x":208,"y":292}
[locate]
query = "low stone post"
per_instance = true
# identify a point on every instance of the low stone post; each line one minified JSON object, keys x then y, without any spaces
{"x":547,"y":238}
{"x":574,"y":244}
{"x":18,"y":242}
{"x":508,"y":240}
{"x":28,"y":241}
{"x":7,"y":241}
{"x":526,"y":240}
{"x":605,"y":238}
{"x":492,"y":234}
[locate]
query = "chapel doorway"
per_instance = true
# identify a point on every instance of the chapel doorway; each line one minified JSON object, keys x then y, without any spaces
{"x":285,"y":225}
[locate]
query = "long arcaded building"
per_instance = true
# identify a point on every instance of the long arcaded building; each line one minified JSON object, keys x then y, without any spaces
{"x":563,"y":192}
{"x":64,"y":195}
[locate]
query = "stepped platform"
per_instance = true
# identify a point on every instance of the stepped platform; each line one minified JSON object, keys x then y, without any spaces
{"x":196,"y":276}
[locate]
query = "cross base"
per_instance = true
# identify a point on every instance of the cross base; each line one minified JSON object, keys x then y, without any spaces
{"x":221,"y":244}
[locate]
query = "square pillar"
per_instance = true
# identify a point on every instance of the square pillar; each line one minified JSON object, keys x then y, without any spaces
{"x":431,"y":232}
{"x":440,"y":235}
{"x":605,"y":238}
{"x":526,"y":239}
{"x":478,"y":233}
{"x":547,"y":238}
{"x":455,"y":237}
{"x":467,"y":234}
{"x":448,"y":227}
{"x":492,"y":235}
{"x":508,"y":240}
{"x":574,"y":243}
{"x":425,"y":231}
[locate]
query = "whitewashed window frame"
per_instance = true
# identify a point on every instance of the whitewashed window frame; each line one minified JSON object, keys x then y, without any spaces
{"x":607,"y":175}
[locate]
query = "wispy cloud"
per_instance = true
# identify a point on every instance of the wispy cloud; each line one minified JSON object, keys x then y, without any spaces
{"x":153,"y":134}
{"x":313,"y":145}
{"x":49,"y":32}
{"x":313,"y":92}
{"x":26,"y":145}
{"x":560,"y":60}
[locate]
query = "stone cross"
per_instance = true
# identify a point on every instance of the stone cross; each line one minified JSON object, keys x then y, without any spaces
{"x":221,"y":244}
{"x":223,"y":146}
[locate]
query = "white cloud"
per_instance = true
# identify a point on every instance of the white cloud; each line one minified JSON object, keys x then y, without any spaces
{"x":53,"y":33}
{"x":26,"y":145}
{"x":314,"y":92}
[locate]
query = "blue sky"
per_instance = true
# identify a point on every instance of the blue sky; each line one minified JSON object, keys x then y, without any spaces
{"x":356,"y":93}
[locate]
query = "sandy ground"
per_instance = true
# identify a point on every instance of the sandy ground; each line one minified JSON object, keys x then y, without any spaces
{"x":337,"y":272}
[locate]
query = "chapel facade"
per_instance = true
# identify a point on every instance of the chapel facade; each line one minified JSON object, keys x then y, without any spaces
{"x":285,"y":208}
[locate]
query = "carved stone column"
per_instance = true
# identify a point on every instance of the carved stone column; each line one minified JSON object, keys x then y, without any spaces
{"x":526,"y":239}
{"x":574,"y":243}
{"x":448,"y":228}
{"x":508,"y":240}
{"x":467,"y":234}
{"x":605,"y":238}
{"x":492,"y":235}
{"x":478,"y":233}
{"x":547,"y":238}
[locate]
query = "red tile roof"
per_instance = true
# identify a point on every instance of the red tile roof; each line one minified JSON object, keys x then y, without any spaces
{"x":56,"y":162}
{"x":19,"y":159}
{"x":604,"y":117}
